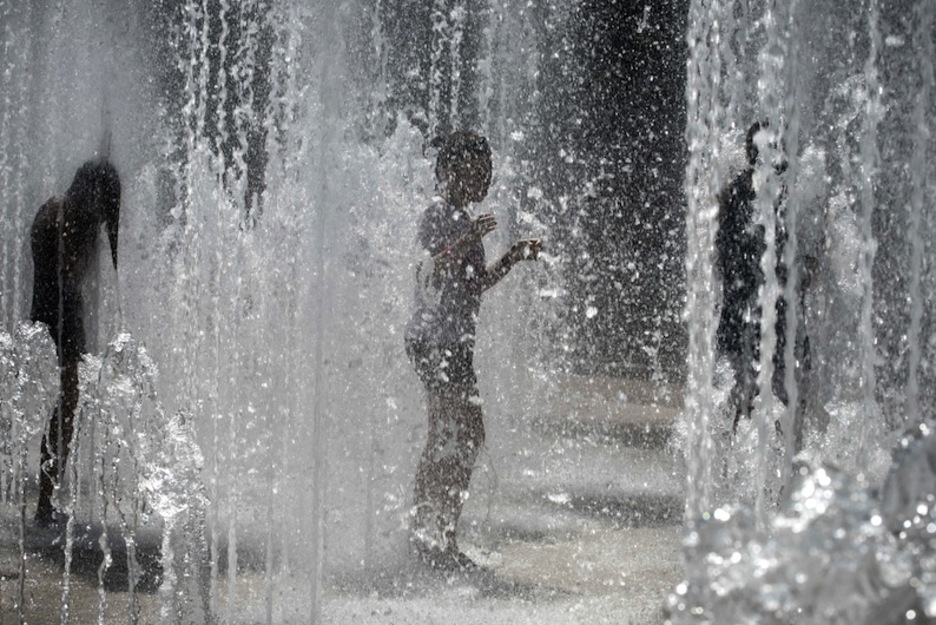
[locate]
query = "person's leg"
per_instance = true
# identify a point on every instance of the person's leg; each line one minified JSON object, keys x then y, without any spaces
{"x":56,"y":442}
{"x":778,"y":382}
{"x":454,"y":439}
{"x":741,"y":396}
{"x":429,"y":484}
{"x":803,"y":378}
{"x":745,"y":363}
{"x":48,"y":468}
{"x":464,"y":412}
{"x":432,"y":472}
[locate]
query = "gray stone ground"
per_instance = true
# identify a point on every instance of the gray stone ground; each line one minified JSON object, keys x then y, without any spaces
{"x":581,"y":523}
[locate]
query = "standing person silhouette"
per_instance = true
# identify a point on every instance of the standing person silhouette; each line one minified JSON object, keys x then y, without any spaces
{"x":440,"y":339}
{"x":739,"y":244}
{"x":64,"y":239}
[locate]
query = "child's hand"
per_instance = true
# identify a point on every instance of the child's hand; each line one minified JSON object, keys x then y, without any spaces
{"x":482,"y":225}
{"x":526,"y":249}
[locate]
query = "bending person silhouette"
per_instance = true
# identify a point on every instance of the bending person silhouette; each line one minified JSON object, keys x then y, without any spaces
{"x":64,"y":239}
{"x":440,"y":339}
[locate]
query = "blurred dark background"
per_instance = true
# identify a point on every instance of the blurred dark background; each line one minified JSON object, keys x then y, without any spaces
{"x":603,"y":121}
{"x":606,"y":143}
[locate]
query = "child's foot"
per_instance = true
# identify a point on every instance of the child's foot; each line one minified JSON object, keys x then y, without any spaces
{"x":449,"y":560}
{"x":460,"y":562}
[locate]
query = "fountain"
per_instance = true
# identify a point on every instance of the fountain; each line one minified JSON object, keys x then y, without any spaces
{"x":249,"y":425}
{"x":839,"y":532}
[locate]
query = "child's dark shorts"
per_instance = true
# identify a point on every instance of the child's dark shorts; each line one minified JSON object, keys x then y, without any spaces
{"x":439,"y":366}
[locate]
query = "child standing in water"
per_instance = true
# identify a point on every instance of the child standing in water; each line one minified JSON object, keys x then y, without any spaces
{"x":440,"y":340}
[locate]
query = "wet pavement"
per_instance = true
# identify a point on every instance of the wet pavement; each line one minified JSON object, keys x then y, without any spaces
{"x":581,"y":523}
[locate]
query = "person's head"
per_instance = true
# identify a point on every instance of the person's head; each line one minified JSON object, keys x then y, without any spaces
{"x":96,"y":187}
{"x":752,"y":141}
{"x":463,"y":166}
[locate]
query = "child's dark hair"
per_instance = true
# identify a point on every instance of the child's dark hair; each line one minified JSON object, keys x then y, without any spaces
{"x":458,"y":147}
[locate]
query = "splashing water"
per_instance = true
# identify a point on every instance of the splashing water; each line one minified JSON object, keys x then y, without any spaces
{"x":265,"y":266}
{"x":840,"y":533}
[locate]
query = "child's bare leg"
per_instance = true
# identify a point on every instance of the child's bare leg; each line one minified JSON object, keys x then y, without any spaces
{"x":463,"y":408}
{"x":456,"y":434}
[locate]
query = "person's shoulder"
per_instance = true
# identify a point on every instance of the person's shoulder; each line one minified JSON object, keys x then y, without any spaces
{"x":741,"y":188}
{"x":52,"y":204}
{"x":435,"y":225}
{"x":437,"y":207}
{"x":435,"y":212}
{"x":744,"y":183}
{"x":47,"y":214}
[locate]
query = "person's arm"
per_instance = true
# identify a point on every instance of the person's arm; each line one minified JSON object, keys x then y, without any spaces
{"x":524,"y":249}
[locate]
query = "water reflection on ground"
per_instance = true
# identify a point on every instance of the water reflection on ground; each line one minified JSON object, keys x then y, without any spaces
{"x":576,"y":516}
